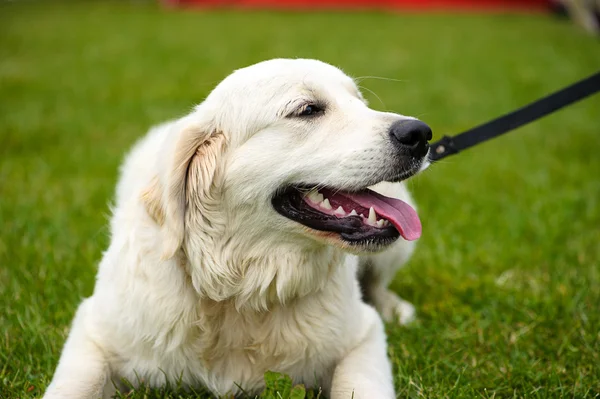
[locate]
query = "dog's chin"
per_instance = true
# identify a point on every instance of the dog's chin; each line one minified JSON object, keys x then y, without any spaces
{"x":354,"y":220}
{"x":352,"y":246}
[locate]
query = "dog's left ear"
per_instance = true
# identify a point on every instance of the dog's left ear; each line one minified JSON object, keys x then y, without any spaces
{"x":189,"y":165}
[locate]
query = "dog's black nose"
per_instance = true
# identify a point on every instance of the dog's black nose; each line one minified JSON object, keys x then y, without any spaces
{"x":411,"y":136}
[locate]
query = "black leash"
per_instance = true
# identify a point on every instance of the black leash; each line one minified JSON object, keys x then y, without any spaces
{"x":447,"y":146}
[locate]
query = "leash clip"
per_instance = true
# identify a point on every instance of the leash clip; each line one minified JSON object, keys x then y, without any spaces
{"x":442,"y":148}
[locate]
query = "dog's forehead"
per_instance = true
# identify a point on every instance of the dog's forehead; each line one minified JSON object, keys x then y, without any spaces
{"x":291,"y":69}
{"x":285,"y":76}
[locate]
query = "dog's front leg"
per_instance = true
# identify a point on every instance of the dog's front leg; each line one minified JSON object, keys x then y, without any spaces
{"x":365,"y":372}
{"x":82,"y":371}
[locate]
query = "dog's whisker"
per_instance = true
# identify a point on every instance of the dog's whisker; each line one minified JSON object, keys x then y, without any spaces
{"x":419,"y":116}
{"x":361,"y":78}
{"x":376,"y":96}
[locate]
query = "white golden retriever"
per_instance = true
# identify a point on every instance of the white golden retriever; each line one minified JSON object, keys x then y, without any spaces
{"x":229,"y":242}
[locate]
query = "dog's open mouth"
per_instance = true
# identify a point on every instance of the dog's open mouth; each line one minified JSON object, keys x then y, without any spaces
{"x":363,"y":217}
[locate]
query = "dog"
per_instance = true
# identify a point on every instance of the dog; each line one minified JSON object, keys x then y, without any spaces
{"x":238,"y":236}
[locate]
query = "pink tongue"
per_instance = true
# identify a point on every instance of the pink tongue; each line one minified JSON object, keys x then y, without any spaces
{"x":403,"y":216}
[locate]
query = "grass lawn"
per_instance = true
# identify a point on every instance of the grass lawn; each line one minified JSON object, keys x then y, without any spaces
{"x":507,"y":277}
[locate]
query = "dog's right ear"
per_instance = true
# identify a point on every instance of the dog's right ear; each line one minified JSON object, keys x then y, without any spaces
{"x":188,"y":161}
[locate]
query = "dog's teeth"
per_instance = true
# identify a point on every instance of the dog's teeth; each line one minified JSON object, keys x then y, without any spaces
{"x":353,"y":213}
{"x":386,"y":223}
{"x":372,"y":216}
{"x":340,"y":211}
{"x":314,"y":196}
{"x":381,"y":223}
{"x":319,"y":197}
{"x":325,"y":204}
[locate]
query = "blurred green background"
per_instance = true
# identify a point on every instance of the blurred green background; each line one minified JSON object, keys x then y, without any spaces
{"x":507,"y":276}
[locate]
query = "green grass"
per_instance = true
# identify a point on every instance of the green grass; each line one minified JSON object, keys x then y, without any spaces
{"x":507,"y":276}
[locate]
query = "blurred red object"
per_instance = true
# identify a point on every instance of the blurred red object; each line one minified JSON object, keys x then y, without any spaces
{"x":475,"y":5}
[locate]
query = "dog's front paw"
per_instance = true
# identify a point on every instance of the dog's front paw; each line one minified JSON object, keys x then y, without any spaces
{"x":405,"y":312}
{"x":393,"y":308}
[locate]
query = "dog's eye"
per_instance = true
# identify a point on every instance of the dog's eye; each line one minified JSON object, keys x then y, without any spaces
{"x":311,"y":110}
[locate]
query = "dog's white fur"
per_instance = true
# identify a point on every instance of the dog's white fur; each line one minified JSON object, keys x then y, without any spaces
{"x":204,"y":283}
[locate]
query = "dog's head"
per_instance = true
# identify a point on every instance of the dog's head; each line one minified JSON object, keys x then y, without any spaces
{"x":283,"y":151}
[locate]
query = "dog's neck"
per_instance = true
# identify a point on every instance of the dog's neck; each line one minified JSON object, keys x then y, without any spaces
{"x":257,"y":278}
